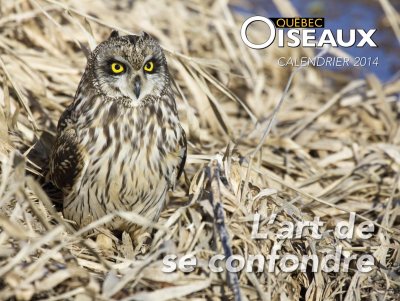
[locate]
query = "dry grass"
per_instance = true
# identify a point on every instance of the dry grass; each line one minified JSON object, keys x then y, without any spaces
{"x":334,"y":149}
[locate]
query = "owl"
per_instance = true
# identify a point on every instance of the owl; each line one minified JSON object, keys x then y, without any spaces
{"x":120,"y":145}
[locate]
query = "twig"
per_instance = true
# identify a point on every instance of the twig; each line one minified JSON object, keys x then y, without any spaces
{"x":392,"y":17}
{"x":215,"y":199}
{"x":47,"y":203}
{"x":309,"y":120}
{"x":284,"y":94}
{"x":23,"y":100}
{"x":272,"y":119}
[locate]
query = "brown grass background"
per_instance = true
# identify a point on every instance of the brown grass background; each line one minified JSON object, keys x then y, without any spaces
{"x":334,"y":148}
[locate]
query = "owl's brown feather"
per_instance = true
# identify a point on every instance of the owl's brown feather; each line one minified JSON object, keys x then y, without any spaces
{"x":67,"y":160}
{"x":67,"y":156}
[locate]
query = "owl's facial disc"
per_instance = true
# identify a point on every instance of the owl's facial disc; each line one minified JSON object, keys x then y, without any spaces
{"x":131,"y":68}
{"x":136,"y":84}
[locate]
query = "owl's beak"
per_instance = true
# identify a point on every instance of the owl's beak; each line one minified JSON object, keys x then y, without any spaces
{"x":137,"y":86}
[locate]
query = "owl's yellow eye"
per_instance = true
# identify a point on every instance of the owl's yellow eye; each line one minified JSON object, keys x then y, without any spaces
{"x":149,"y":67}
{"x":117,"y":68}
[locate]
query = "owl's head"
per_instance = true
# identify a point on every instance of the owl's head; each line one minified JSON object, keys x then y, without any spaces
{"x":132,"y":68}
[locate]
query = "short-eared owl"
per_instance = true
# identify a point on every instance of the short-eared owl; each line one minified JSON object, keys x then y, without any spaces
{"x":119,"y":145}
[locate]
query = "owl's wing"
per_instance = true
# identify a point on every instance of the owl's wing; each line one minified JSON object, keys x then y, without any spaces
{"x":67,"y":159}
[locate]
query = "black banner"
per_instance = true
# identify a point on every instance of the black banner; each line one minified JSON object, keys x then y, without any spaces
{"x":298,"y":22}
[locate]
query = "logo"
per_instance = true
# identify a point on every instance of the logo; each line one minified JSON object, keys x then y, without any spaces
{"x":302,"y":32}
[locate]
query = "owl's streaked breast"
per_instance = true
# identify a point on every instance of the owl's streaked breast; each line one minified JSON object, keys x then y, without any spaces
{"x":130,"y":157}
